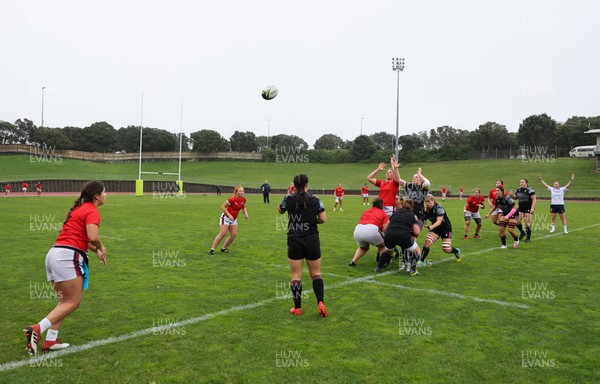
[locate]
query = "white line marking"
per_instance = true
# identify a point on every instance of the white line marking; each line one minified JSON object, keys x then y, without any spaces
{"x":451,"y":294}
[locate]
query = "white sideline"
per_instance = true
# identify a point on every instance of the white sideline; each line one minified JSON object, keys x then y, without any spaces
{"x":366,"y":279}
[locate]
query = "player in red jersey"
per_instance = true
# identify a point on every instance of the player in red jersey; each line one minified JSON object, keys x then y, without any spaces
{"x":492,"y":201}
{"x":444,"y":192}
{"x":367,"y":232}
{"x":24,"y":187}
{"x":462,"y":192}
{"x":365,"y":194}
{"x":471,"y":210}
{"x":388,"y":188}
{"x":7,"y":188}
{"x":228,"y":221}
{"x":67,"y":264}
{"x":339,"y":197}
{"x":38,"y":188}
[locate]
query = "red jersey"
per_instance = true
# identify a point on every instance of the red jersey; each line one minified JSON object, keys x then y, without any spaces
{"x":38,"y":186}
{"x":388,"y":191}
{"x":291,"y":189}
{"x":472,"y":203}
{"x":492,"y":194}
{"x":24,"y":185}
{"x":364,"y":190}
{"x":444,"y":190}
{"x":74,"y":232}
{"x":462,"y":189}
{"x":7,"y":187}
{"x":374,"y":216}
{"x":339,"y":191}
{"x":235,"y":206}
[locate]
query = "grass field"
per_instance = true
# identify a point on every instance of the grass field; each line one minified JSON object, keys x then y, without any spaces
{"x":527,"y":315}
{"x":470,"y":174}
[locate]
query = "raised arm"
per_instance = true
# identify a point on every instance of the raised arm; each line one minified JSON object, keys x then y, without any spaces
{"x":395,"y":172}
{"x":424,"y":181}
{"x":569,"y":183}
{"x":371,"y":178}
{"x":543,"y":182}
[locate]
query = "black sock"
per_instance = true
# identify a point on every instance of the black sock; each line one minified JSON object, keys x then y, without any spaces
{"x":384,"y":260}
{"x":425,"y":253}
{"x":296,"y":286}
{"x":318,"y":287}
{"x":503,"y":239}
{"x":516,"y":238}
{"x":528,"y":230}
{"x":520,"y":227}
{"x":454,"y":250}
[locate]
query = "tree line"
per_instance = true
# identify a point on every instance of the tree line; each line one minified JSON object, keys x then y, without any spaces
{"x":441,"y":143}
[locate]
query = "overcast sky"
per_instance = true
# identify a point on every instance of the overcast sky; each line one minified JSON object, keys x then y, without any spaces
{"x":467,"y":62}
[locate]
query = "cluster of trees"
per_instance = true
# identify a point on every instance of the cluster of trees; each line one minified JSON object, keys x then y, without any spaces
{"x":442,"y":143}
{"x":98,"y":137}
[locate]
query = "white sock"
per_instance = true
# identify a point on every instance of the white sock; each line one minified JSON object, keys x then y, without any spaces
{"x":565,"y":228}
{"x":44,"y":325}
{"x":52,"y":335}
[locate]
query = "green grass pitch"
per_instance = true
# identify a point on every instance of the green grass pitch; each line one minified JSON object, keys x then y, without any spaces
{"x":527,"y":315}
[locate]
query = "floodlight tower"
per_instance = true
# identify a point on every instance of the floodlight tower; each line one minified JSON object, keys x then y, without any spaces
{"x":397,"y":66}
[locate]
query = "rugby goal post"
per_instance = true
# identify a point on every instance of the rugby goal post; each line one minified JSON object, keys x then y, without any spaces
{"x":139,"y":183}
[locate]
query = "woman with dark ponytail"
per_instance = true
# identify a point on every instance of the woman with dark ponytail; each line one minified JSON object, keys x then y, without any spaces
{"x":305,"y":211}
{"x":67,"y":264}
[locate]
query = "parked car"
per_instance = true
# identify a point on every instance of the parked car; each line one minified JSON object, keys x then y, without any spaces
{"x":583,"y":151}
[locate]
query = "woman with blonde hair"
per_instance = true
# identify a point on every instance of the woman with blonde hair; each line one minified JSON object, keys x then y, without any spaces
{"x":228,"y":221}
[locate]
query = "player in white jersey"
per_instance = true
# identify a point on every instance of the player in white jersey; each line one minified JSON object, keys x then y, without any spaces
{"x":557,"y":203}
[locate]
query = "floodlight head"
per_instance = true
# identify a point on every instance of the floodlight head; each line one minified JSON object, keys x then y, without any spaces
{"x":397,"y":64}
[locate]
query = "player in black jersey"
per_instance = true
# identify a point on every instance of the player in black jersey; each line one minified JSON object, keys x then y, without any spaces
{"x":305,"y":211}
{"x":527,"y":201}
{"x":506,"y":217}
{"x":416,"y":191}
{"x":402,"y":230}
{"x":440,"y":227}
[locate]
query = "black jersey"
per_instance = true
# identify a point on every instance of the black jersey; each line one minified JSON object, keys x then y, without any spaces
{"x":402,"y":221}
{"x":505,"y":203}
{"x":302,"y":209}
{"x":417,"y":193}
{"x":525,"y":196}
{"x":435,"y":212}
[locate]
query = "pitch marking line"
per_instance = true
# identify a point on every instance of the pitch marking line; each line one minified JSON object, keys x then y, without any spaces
{"x":451,"y":294}
{"x":143,"y":332}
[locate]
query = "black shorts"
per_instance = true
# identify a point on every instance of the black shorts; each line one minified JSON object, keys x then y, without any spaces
{"x":402,"y":239}
{"x":444,"y":233}
{"x":524,"y":208}
{"x":557,"y":208}
{"x":304,"y":247}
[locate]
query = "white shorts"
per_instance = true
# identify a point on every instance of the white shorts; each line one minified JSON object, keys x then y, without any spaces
{"x":24,"y":189}
{"x":338,"y":198}
{"x":389,"y":210}
{"x":63,"y":264}
{"x":472,"y":215}
{"x":366,"y":234}
{"x":365,"y":195}
{"x":224,"y":220}
{"x":497,"y":211}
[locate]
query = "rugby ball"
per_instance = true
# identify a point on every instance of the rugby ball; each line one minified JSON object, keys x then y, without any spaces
{"x":270,"y":92}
